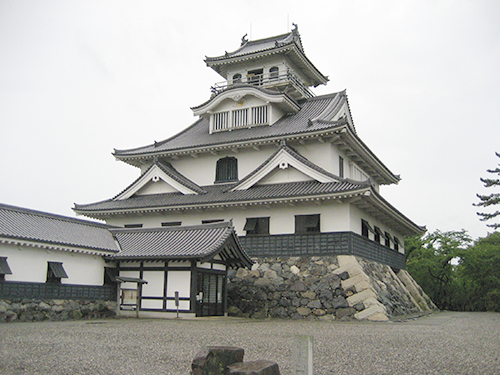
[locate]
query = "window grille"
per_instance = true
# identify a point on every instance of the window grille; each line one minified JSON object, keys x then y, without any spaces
{"x":273,"y":73}
{"x":259,"y":115}
{"x":237,"y":78}
{"x":221,"y":121}
{"x":257,"y":225}
{"x":307,"y":224}
{"x":226,"y":170}
{"x":55,"y":272}
{"x":240,"y":118}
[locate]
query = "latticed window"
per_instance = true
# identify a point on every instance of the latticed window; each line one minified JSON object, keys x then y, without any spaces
{"x":273,"y":73}
{"x":220,"y":121}
{"x":226,"y":169}
{"x":307,"y":224}
{"x":237,"y":78}
{"x":257,"y":225}
{"x":55,"y":272}
{"x":259,"y":115}
{"x":240,"y":117}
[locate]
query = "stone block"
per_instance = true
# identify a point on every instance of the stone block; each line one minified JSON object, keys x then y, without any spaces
{"x":242,"y":273}
{"x":309,"y":295}
{"x":299,"y":286}
{"x":214,"y":360}
{"x":374,"y":312}
{"x":304,"y":311}
{"x":345,"y":313}
{"x":339,"y":302}
{"x":361,"y":297}
{"x":353,"y":280}
{"x":316,"y":304}
{"x":363,"y":285}
{"x":254,"y":368}
{"x":264,"y":281}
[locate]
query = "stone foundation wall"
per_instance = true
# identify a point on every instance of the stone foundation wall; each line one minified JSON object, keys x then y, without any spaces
{"x":328,"y":287}
{"x":29,"y":310}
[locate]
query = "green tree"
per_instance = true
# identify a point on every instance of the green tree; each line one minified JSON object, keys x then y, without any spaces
{"x":430,"y":264}
{"x":492,"y":199}
{"x":479,"y":275}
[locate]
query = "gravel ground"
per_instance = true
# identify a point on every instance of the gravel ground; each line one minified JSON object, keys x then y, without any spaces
{"x":443,"y":343}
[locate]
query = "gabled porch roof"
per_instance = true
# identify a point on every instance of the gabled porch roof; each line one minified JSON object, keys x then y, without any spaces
{"x":201,"y":242}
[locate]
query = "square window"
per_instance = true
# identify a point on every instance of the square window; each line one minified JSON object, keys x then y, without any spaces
{"x":378,"y":234}
{"x":212,"y":221}
{"x":4,"y":267}
{"x":257,"y":225}
{"x":133,"y":225}
{"x":55,"y":272}
{"x":171,"y":224}
{"x":366,"y":229}
{"x":307,"y":224}
{"x":388,"y":239}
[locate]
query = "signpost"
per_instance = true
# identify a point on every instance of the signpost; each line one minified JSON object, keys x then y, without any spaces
{"x":303,"y":355}
{"x":177,"y":302}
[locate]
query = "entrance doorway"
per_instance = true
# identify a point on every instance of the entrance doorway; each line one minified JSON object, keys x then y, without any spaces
{"x":210,"y":297}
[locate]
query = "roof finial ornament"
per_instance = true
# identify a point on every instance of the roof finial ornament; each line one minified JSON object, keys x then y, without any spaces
{"x":244,"y":40}
{"x":295,"y":28}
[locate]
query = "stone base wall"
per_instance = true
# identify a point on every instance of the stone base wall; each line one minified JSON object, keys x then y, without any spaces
{"x":328,"y":287}
{"x":29,"y":310}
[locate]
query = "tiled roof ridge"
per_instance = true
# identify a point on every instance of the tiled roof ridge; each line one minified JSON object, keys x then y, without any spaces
{"x":129,"y":152}
{"x":129,"y":186}
{"x":221,"y":224}
{"x":49,"y":215}
{"x":344,"y":186}
{"x":251,"y":43}
{"x":58,"y":243}
{"x":220,"y":233}
{"x":117,"y":152}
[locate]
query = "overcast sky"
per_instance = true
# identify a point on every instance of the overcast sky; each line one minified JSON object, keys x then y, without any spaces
{"x":79,"y":78}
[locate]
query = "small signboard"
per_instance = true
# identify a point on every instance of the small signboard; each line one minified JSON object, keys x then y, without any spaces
{"x":303,"y":355}
{"x":129,"y":297}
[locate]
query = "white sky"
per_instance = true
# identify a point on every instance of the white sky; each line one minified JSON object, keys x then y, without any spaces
{"x":79,"y":78}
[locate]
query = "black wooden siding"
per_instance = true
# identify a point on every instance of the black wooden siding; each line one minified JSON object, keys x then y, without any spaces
{"x":22,"y":290}
{"x":335,"y":243}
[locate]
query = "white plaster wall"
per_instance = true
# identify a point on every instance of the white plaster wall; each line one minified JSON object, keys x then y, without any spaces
{"x":158,"y":187}
{"x":155,"y":285}
{"x":334,"y":217}
{"x":355,"y":217}
{"x":247,"y":101}
{"x":29,"y":264}
{"x":289,"y":174}
{"x":201,"y":170}
{"x":179,"y":281}
{"x":265,"y":63}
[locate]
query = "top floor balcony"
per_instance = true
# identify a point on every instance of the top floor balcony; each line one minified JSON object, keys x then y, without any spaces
{"x":272,"y":80}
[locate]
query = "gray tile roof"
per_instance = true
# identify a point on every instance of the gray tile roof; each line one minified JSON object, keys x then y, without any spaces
{"x":198,"y":135}
{"x":23,"y":224}
{"x":220,"y":194}
{"x":259,"y":45}
{"x":289,"y":44}
{"x":173,"y":173}
{"x":177,"y":243}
